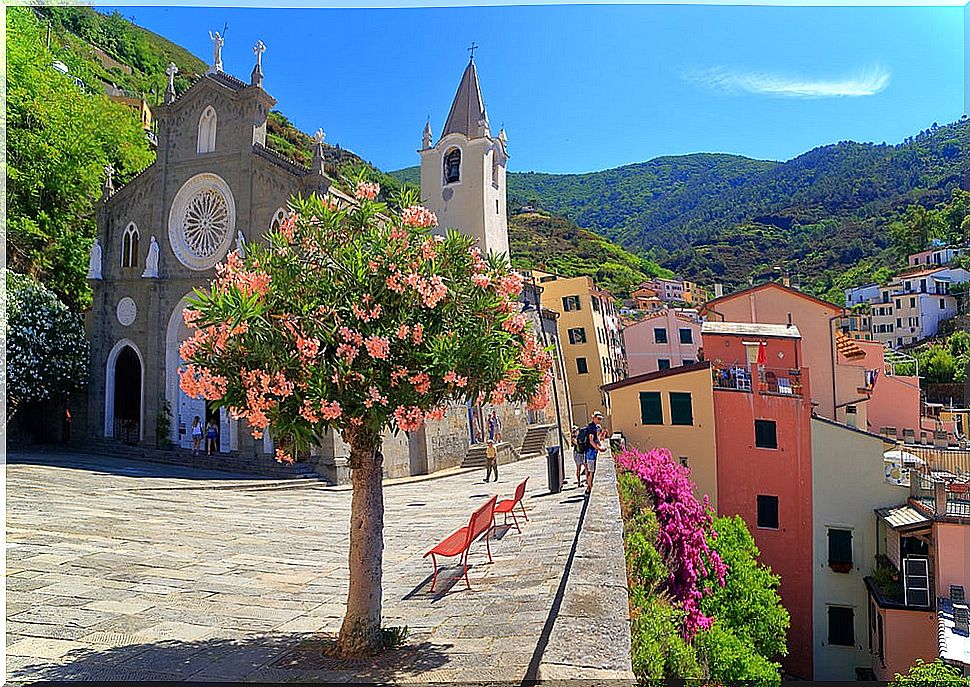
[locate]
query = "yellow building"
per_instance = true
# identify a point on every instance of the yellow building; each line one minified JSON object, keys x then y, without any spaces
{"x":672,"y":409}
{"x":592,"y":347}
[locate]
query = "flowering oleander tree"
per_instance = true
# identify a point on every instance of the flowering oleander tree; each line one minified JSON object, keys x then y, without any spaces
{"x":358,"y":319}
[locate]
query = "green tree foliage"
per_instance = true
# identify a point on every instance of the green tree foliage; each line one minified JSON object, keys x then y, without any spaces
{"x":357,"y":319}
{"x":747,"y":607}
{"x":47,"y":352}
{"x":937,"y":674}
{"x":750,"y":622}
{"x":59,"y":139}
{"x":554,"y":244}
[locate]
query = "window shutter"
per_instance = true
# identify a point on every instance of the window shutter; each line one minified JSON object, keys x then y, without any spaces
{"x":681,"y":412}
{"x":651,"y":411}
{"x":840,"y":546}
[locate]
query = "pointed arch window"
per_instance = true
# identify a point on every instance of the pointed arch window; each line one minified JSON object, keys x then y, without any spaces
{"x":452,"y":166}
{"x":207,"y":131}
{"x":278,"y":218}
{"x":129,"y":246}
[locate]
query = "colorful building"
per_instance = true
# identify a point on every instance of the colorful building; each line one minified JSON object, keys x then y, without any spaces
{"x":593,"y":347}
{"x":917,"y":594}
{"x":672,"y":408}
{"x":848,"y":483}
{"x":663,"y":339}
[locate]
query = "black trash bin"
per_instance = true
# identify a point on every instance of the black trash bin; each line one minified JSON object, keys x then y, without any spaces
{"x":554,"y":468}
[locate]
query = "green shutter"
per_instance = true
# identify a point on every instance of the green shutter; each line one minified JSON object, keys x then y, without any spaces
{"x":681,"y":412}
{"x":651,"y":412}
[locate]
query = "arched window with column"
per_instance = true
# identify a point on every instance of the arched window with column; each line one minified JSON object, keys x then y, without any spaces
{"x":278,"y":218}
{"x":129,"y":246}
{"x":207,"y":131}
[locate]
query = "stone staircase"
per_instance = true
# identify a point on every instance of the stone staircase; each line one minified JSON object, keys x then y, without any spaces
{"x":533,"y":445}
{"x":534,"y":441}
{"x":261,"y":466}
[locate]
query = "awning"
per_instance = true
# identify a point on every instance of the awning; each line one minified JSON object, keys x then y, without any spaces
{"x":903,"y":517}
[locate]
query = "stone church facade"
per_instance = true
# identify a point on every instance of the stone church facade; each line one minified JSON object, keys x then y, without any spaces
{"x":214,"y":187}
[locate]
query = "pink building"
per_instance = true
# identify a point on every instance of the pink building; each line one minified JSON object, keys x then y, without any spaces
{"x":663,"y":339}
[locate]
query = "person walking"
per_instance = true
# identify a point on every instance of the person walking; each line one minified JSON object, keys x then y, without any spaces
{"x":595,"y":445}
{"x":196,"y":435}
{"x":579,"y":457}
{"x":494,"y":427}
{"x":491,"y":460}
{"x":211,"y":438}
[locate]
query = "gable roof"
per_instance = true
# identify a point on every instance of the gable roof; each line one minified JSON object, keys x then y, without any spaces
{"x":650,"y":376}
{"x":467,"y":115}
{"x":769,"y":285}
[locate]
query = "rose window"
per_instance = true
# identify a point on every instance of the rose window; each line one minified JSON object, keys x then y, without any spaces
{"x":202,"y":221}
{"x":206,"y":222}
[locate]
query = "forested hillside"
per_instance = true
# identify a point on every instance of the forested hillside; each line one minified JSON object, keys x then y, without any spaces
{"x":542,"y":241}
{"x":729,"y":218}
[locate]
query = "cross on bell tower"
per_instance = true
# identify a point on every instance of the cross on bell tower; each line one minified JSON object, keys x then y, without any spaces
{"x":471,"y":51}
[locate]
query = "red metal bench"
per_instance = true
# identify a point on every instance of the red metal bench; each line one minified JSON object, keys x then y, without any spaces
{"x":459,"y":541}
{"x":508,"y":506}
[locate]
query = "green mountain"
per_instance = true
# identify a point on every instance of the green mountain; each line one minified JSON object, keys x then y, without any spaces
{"x":729,"y":218}
{"x":554,"y":244}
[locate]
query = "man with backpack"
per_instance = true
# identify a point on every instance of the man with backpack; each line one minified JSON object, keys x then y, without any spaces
{"x":589,"y":441}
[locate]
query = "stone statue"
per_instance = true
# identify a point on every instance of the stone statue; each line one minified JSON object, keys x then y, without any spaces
{"x":109,"y":186}
{"x":94,"y":262}
{"x":151,"y":262}
{"x":316,"y":165}
{"x":217,"y":43}
{"x":171,"y":70}
{"x":240,"y":244}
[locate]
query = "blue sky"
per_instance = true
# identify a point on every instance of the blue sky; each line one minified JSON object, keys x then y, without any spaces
{"x":583,"y":88}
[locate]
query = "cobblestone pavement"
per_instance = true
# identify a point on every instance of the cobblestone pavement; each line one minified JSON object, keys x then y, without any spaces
{"x":118,"y":570}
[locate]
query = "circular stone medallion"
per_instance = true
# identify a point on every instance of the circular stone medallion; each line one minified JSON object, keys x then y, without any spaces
{"x":127,"y":311}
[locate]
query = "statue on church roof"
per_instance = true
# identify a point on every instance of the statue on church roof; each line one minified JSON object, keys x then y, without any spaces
{"x":171,"y":70}
{"x":317,"y":165}
{"x":217,"y":43}
{"x":109,"y":186}
{"x":151,"y":262}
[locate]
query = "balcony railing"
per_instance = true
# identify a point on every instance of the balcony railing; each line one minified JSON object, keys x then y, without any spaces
{"x":765,"y":380}
{"x":940,"y":479}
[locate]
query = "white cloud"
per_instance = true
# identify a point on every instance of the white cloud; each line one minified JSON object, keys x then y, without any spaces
{"x":869,"y":81}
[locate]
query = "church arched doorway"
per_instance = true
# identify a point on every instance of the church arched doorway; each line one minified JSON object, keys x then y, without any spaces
{"x":127,"y":404}
{"x":184,"y":408}
{"x":124,"y":393}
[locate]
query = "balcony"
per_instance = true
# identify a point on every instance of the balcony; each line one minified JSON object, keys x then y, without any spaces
{"x":770,"y":381}
{"x":940,"y":481}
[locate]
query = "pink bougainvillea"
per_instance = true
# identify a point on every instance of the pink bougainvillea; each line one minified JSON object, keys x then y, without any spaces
{"x":684,"y":525}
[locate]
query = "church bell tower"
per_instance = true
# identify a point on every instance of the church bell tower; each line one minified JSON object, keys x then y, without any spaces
{"x":463,"y":174}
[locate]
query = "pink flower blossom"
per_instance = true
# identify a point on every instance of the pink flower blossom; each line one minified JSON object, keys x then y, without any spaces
{"x":481,"y":280}
{"x":330,"y":410}
{"x":510,"y":285}
{"x":417,"y":216}
{"x":453,"y":378}
{"x":284,"y":457}
{"x":408,"y":418}
{"x":515,"y":324}
{"x":417,"y":333}
{"x":367,"y":190}
{"x":403,"y":332}
{"x":378,"y":347}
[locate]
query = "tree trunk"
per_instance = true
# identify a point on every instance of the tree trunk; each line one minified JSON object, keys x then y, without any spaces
{"x":360,"y":633}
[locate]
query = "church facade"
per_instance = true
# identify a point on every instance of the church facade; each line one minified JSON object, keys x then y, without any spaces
{"x":215,"y":186}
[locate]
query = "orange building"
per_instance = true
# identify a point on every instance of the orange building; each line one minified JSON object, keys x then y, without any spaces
{"x":764,"y":458}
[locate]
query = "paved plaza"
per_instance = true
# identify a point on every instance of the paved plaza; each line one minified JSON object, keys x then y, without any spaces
{"x":119,"y":570}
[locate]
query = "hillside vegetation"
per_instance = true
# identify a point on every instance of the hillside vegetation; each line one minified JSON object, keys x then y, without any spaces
{"x":729,"y":218}
{"x":553,"y":244}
